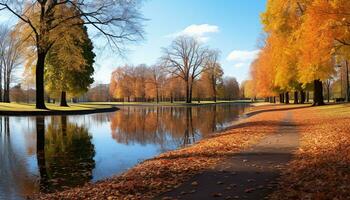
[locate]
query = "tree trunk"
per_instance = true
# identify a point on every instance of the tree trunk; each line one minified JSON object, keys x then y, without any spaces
{"x":274,"y":99}
{"x":347,"y":81}
{"x":296,"y":97}
{"x":63,"y":102}
{"x":287,"y":97}
{"x":187,"y":92}
{"x":308,"y":96}
{"x":1,"y":99}
{"x":191,"y":94}
{"x":318,"y":93}
{"x":39,"y":83}
{"x":328,"y":93}
{"x":214,"y":91}
{"x":302,"y":96}
{"x":281,"y":98}
{"x":48,"y":99}
{"x":6,"y":86}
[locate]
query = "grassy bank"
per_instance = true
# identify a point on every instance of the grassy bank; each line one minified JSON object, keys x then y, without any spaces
{"x":29,"y":109}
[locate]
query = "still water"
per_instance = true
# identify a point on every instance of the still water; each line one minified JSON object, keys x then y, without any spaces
{"x":57,"y":152}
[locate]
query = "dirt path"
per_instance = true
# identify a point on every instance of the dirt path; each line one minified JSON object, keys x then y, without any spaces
{"x":250,"y":174}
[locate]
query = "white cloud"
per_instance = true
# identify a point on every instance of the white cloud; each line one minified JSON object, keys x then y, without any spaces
{"x":198,"y":31}
{"x":242,"y":56}
{"x":241,"y":64}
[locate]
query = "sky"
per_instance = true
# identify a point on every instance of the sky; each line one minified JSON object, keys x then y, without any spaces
{"x":231,"y":26}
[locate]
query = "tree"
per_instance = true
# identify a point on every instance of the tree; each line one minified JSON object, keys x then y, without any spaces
{"x":44,"y":23}
{"x":185,"y":58}
{"x":70,"y":68}
{"x":157,"y":78}
{"x":213,"y":73}
{"x":11,"y":57}
{"x":230,"y":88}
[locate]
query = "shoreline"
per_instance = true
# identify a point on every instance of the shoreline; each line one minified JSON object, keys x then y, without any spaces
{"x":28,"y":110}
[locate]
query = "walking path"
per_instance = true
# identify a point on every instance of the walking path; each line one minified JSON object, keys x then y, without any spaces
{"x":250,"y":174}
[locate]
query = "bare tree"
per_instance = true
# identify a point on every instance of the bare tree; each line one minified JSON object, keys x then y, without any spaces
{"x":157,"y":78}
{"x":214,"y":71}
{"x":231,"y":88}
{"x":11,"y":58}
{"x":117,"y":21}
{"x":185,"y":58}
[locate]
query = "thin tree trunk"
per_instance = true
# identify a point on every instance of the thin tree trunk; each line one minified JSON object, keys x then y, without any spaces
{"x":281,"y":98}
{"x":347,"y":81}
{"x":328,"y":93}
{"x":302,"y":96}
{"x":287,"y":97}
{"x":187,"y":92}
{"x":296,"y":97}
{"x":214,"y":90}
{"x":63,"y":102}
{"x":318,"y":93}
{"x":39,"y":83}
{"x":1,"y":99}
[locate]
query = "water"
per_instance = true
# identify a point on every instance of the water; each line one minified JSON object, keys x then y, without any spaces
{"x":57,"y":152}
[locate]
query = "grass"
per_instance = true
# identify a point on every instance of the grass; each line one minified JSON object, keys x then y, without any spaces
{"x":24,"y":107}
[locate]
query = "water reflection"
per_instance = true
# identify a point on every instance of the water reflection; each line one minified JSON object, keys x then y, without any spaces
{"x":64,"y":153}
{"x":54,"y":153}
{"x":180,"y":126}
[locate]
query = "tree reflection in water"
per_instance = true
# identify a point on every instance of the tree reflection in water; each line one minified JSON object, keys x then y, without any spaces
{"x":15,"y":178}
{"x":170,"y":127}
{"x":64,"y":153}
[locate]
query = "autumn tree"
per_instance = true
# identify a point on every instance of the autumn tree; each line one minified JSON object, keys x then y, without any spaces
{"x":157,"y":78}
{"x":69,"y":65}
{"x":230,"y":88}
{"x":185,"y":58}
{"x":44,"y":22}
{"x":212,"y":74}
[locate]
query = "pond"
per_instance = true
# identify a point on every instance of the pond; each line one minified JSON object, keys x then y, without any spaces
{"x":58,"y":152}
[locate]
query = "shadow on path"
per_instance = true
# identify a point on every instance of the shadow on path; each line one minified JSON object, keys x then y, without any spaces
{"x":250,"y":174}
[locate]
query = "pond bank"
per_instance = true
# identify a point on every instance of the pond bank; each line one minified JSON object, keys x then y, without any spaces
{"x":17,"y":109}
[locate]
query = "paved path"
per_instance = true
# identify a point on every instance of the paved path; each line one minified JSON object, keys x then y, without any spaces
{"x":251,"y":174}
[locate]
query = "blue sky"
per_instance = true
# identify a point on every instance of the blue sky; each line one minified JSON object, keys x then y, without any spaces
{"x":231,"y":26}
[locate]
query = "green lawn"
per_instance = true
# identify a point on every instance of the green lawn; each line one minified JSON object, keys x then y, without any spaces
{"x":31,"y":107}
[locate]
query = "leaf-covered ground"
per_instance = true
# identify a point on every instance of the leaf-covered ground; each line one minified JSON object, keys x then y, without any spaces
{"x":169,"y":170}
{"x":321,"y":167}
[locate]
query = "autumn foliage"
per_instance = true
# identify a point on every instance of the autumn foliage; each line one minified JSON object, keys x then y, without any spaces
{"x":305,"y":40}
